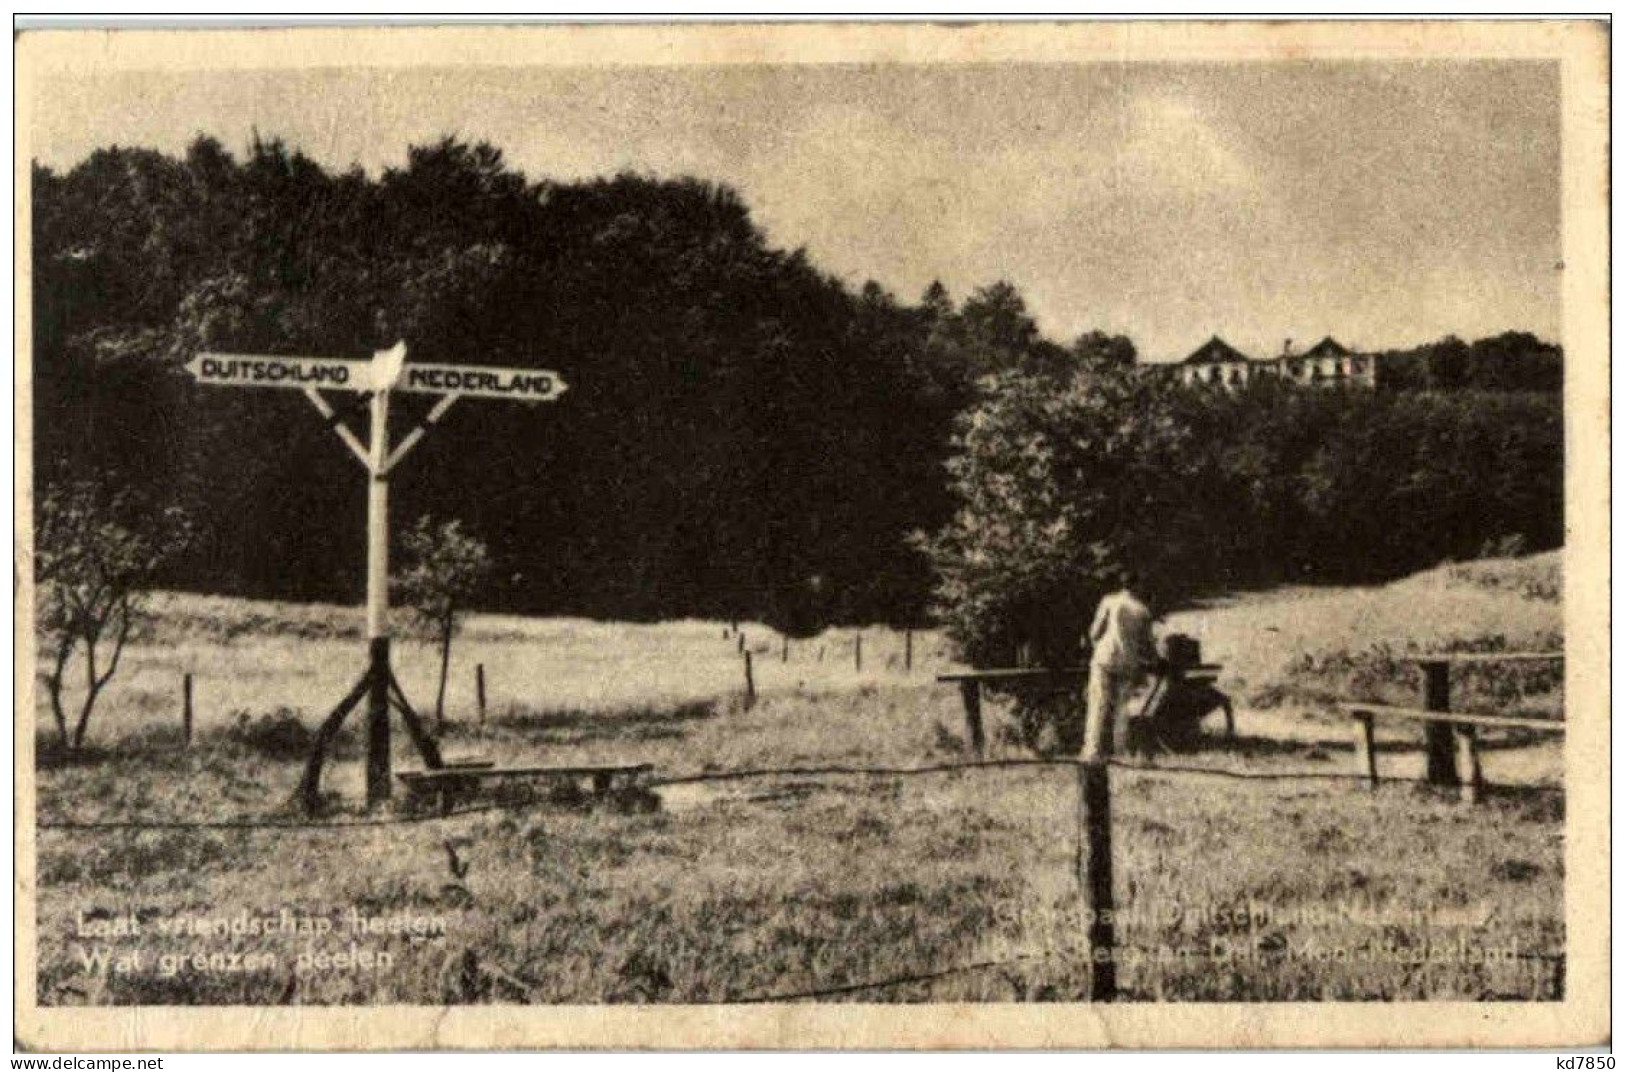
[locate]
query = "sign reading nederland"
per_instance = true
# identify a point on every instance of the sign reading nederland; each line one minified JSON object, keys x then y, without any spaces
{"x":523,"y":385}
{"x":339,"y":374}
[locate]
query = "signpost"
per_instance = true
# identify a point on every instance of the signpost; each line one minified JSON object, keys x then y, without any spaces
{"x":375,"y":380}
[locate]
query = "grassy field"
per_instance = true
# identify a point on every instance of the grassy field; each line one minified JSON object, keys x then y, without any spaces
{"x":1257,"y":874}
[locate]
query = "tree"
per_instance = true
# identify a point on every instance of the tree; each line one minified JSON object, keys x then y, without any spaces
{"x":97,"y":551}
{"x":1098,"y":350}
{"x":1056,"y":489}
{"x":445,"y":568}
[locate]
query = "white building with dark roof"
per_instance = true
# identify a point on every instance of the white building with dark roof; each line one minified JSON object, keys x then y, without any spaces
{"x":1328,"y":363}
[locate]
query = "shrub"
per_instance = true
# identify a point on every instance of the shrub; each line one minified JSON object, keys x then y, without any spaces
{"x":280,"y":735}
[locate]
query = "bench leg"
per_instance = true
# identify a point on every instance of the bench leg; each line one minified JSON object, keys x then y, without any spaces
{"x":1441,"y":755}
{"x":970,"y":693}
{"x":1365,"y":747}
{"x":1468,"y":771}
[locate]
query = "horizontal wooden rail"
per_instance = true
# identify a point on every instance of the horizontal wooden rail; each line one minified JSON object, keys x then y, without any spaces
{"x":1060,"y":671}
{"x":1552,"y":725}
{"x":455,"y":773}
{"x":1483,"y":657}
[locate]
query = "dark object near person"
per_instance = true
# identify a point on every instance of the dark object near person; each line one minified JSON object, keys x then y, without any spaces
{"x":1182,"y":695}
{"x":1181,"y":652}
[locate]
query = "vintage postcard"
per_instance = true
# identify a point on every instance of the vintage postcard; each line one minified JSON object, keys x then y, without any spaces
{"x":886,"y":535}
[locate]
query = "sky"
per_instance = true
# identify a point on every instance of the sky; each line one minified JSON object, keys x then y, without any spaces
{"x":1383,"y":203}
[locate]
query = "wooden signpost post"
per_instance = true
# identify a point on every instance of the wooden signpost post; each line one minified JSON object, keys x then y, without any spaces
{"x":377,"y":379}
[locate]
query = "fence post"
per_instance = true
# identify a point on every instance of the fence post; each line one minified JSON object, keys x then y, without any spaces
{"x":970,"y":691}
{"x":908,"y":651}
{"x":741,"y":645}
{"x":479,"y":689}
{"x":750,"y":682}
{"x":1095,"y":877}
{"x":784,"y":650}
{"x":857,"y":653}
{"x":186,"y":708}
{"x":1365,"y":747}
{"x":1468,"y":770}
{"x":1441,"y":746}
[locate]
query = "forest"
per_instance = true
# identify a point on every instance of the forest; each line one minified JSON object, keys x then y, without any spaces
{"x":745,"y":435}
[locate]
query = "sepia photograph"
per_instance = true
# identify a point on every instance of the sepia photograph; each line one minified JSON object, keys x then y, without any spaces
{"x":838,"y":535}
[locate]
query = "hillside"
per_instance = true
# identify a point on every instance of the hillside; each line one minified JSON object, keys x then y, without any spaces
{"x":1288,"y":640}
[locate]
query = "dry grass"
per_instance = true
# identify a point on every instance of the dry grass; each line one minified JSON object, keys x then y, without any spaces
{"x":780,"y":885}
{"x":1304,"y":644}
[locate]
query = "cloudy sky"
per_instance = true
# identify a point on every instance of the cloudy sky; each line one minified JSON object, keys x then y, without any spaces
{"x":1384,"y":203}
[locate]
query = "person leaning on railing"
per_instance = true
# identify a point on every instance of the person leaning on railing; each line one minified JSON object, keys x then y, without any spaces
{"x":1121,"y":651}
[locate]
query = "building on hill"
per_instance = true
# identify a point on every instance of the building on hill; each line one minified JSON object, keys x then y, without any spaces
{"x":1216,"y":362}
{"x":1328,"y":363}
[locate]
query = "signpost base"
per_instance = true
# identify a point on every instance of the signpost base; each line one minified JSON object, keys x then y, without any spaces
{"x":378,"y":684}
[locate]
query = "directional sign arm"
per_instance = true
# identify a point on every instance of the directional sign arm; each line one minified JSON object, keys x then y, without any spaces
{"x":344,"y":433}
{"x":415,"y":435}
{"x":274,"y":370}
{"x":481,"y":381}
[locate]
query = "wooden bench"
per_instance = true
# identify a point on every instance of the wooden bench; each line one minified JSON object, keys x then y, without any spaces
{"x":970,"y":684}
{"x":1463,"y":728}
{"x":1440,"y":735}
{"x":454,"y":781}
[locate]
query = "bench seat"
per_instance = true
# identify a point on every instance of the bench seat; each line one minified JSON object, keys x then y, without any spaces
{"x":1417,"y":714}
{"x":1463,"y":729}
{"x":452,"y":781}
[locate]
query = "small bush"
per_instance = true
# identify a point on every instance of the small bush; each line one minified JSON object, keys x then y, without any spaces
{"x":280,"y":735}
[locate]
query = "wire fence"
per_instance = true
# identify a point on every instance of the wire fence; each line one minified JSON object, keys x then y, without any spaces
{"x":1093,"y":862}
{"x":744,"y":774}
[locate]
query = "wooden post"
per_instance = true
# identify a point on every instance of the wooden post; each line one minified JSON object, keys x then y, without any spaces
{"x":1094,"y":869}
{"x":970,"y":692}
{"x":820,"y":653}
{"x":186,"y":708}
{"x":378,"y":780}
{"x":741,"y":645}
{"x":479,"y":689}
{"x":857,"y":653}
{"x":1441,"y":758}
{"x":908,"y":651}
{"x":1365,"y":747}
{"x":750,"y":682}
{"x":784,"y":650}
{"x":1468,"y":771}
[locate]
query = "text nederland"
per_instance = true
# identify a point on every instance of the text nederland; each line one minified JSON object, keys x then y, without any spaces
{"x":340,"y":374}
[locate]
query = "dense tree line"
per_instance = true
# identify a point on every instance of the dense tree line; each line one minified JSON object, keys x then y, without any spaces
{"x":1510,"y":361}
{"x":744,"y":434}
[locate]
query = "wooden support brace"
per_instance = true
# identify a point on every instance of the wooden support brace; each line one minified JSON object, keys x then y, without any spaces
{"x":414,"y":727}
{"x":416,"y":435}
{"x":310,"y":784}
{"x":334,"y":419}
